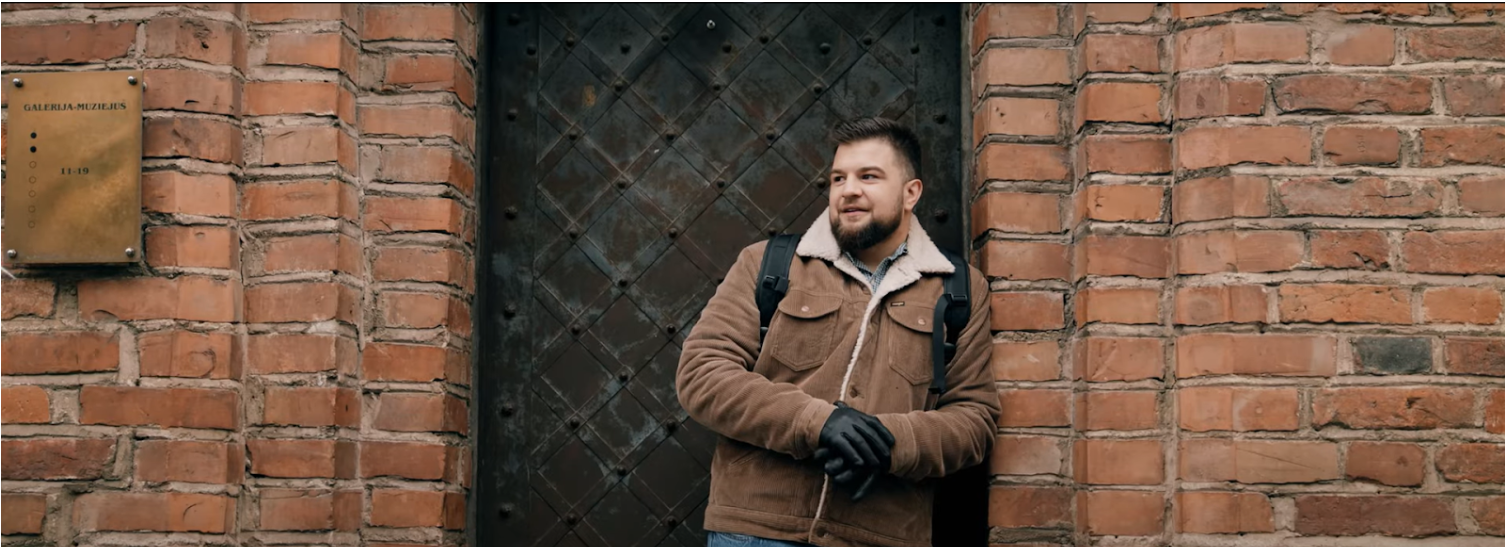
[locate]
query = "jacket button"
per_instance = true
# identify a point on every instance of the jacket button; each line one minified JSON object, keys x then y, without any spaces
{"x":805,"y":308}
{"x":922,"y":321}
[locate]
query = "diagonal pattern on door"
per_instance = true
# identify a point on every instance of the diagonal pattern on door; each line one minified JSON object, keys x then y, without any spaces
{"x":669,"y":137}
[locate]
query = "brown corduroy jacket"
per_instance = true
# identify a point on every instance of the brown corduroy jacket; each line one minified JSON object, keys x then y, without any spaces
{"x":835,"y":338}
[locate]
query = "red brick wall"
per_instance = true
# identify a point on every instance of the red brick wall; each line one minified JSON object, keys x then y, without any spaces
{"x":291,"y":358}
{"x":1247,"y":263}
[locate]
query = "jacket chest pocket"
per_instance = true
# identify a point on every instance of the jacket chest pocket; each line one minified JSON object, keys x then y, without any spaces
{"x":908,"y":340}
{"x":802,"y":333}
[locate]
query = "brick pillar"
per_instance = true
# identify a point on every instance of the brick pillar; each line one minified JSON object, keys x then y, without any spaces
{"x":1021,"y":102}
{"x":1121,"y":259}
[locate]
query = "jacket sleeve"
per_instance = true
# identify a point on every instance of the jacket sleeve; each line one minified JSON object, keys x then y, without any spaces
{"x":716,"y":384}
{"x":959,"y":432}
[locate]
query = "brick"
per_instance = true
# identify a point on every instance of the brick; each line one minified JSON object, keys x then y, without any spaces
{"x":1035,"y":408}
{"x":24,"y":513}
{"x":56,"y":459}
{"x":1475,"y":95}
{"x":1494,"y":411}
{"x":1117,"y":410}
{"x":1454,"y":252}
{"x":403,"y":214}
{"x":68,"y":43}
{"x":1022,"y":67}
{"x":348,"y":508}
{"x":1220,"y":197}
{"x":1345,"y":94}
{"x":283,"y":98}
{"x":1213,"y":96}
{"x":1031,"y":162}
{"x":410,"y":412}
{"x":1475,"y":11}
{"x":1481,"y":356}
{"x":1017,"y":212}
{"x":1026,"y":361}
{"x":321,"y":50}
{"x":1202,"y":147}
{"x":192,"y":247}
{"x":1135,"y":256}
{"x":1489,"y":513}
{"x":410,"y":23}
{"x":174,"y":192}
{"x":1334,"y":303}
{"x":1475,"y":306}
{"x":294,"y":353}
{"x":1028,"y":310}
{"x":311,"y":407}
{"x":207,"y":139}
{"x":1121,"y":512}
{"x":1390,"y":464}
{"x":429,"y":73}
{"x":60,"y":352}
{"x":1127,"y":154}
{"x":164,"y":407}
{"x":1257,"y":462}
{"x":282,"y":509}
{"x":1220,"y":304}
{"x":1120,"y":13}
{"x":419,"y":264}
{"x":1256,"y":354}
{"x":1483,"y":195}
{"x":188,"y":461}
{"x":1393,"y":355}
{"x":1017,"y":116}
{"x":429,"y":164}
{"x":28,"y":297}
{"x":1404,"y":516}
{"x":1120,"y":102}
{"x":406,"y":508}
{"x":1224,"y":513}
{"x":414,"y":310}
{"x":1187,"y":10}
{"x":1027,"y":455}
{"x":319,"y":252}
{"x":403,"y":362}
{"x":213,"y":42}
{"x":1467,"y":145}
{"x":1362,"y":146}
{"x":25,"y":405}
{"x":1014,"y":21}
{"x":1394,"y":407}
{"x":1109,"y":461}
{"x":407,"y":460}
{"x":1120,"y":53}
{"x":1238,"y":251}
{"x":1357,"y":249}
{"x":1107,"y":359}
{"x":1362,"y":45}
{"x":1472,"y":462}
{"x":1025,"y":260}
{"x":1129,"y":306}
{"x":408,"y":121}
{"x":277,"y":13}
{"x":191,"y":91}
{"x":301,"y":302}
{"x":1216,"y":408}
{"x":300,"y":145}
{"x":1125,"y":203}
{"x":299,"y":199}
{"x":310,"y":458}
{"x":1456,"y":43}
{"x":157,"y":512}
{"x":1012,"y":506}
{"x":185,"y":354}
{"x":1206,"y":47}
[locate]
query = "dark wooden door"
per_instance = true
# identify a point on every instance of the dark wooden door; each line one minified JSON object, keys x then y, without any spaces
{"x":629,"y":152}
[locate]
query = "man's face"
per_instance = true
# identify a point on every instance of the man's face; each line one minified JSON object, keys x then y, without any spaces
{"x":872,"y":190}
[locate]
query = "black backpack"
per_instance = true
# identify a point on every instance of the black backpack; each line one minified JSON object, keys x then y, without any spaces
{"x":952,"y":309}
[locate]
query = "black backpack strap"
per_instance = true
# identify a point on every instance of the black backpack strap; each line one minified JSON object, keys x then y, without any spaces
{"x":773,"y":278}
{"x":952,"y":310}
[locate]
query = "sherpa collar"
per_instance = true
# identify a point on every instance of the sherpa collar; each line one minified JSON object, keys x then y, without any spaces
{"x":923,"y":257}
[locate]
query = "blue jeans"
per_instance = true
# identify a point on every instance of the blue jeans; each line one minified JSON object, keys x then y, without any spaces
{"x":723,"y":539}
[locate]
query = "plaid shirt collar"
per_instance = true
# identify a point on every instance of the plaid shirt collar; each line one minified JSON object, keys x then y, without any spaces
{"x":875,"y":277}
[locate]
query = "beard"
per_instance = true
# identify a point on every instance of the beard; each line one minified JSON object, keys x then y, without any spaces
{"x":868,"y":234}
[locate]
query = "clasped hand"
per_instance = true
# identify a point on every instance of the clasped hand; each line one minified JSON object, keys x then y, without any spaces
{"x":854,"y":448}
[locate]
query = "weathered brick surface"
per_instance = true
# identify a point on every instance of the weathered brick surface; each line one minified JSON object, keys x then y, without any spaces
{"x":213,"y":393}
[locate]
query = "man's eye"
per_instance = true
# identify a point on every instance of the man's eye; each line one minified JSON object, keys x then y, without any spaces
{"x":869,"y":177}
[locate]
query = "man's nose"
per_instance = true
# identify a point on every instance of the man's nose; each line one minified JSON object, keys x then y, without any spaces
{"x":850,"y":190}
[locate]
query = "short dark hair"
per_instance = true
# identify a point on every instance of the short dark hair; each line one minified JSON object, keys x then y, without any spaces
{"x":894,"y":133}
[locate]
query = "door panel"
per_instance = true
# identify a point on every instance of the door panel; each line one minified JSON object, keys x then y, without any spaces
{"x":630,"y":152}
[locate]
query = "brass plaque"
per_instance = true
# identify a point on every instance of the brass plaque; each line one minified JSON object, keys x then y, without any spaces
{"x":73,"y":168}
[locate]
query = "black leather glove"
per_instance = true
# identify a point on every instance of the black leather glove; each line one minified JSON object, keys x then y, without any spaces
{"x":854,"y":448}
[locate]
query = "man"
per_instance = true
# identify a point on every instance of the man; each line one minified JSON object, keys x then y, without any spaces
{"x":825,"y":438}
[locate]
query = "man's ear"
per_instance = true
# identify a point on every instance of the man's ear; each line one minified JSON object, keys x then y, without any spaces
{"x":912,"y":191}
